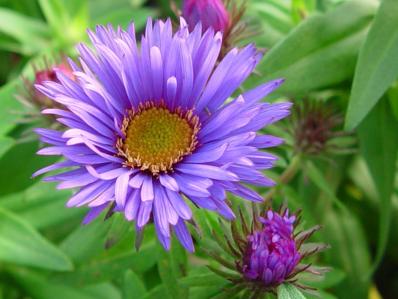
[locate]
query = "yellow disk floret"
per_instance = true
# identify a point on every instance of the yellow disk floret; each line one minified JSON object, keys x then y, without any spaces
{"x":157,"y":138}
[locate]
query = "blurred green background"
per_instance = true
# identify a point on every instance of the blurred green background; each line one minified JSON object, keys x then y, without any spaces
{"x":337,"y":53}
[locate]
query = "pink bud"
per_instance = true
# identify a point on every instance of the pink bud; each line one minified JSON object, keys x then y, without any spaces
{"x":212,"y":13}
{"x":49,"y":74}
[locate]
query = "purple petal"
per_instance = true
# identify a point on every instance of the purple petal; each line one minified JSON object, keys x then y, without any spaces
{"x":184,"y":236}
{"x":121,"y":188}
{"x":94,"y":213}
{"x":208,"y":171}
{"x":169,"y":182}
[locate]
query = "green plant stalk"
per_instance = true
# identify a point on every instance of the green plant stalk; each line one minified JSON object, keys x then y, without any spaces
{"x":289,"y":173}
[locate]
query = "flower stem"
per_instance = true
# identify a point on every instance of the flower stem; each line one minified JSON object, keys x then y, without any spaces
{"x":285,"y":177}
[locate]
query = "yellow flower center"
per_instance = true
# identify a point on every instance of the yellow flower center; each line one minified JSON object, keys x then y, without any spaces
{"x":157,"y":138}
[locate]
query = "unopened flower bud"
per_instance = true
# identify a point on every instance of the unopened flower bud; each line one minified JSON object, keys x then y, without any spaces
{"x":211,"y":13}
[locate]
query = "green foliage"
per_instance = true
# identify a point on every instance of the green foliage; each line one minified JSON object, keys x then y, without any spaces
{"x":377,"y":64}
{"x":379,"y":145}
{"x":288,"y":291}
{"x":133,"y":286}
{"x":30,"y":34}
{"x":319,"y":52}
{"x":21,"y":244}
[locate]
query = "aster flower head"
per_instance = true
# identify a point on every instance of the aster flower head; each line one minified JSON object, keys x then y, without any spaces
{"x":148,"y":129}
{"x":211,"y":13}
{"x":270,"y":253}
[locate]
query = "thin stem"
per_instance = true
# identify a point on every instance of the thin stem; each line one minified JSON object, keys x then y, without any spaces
{"x":285,"y":177}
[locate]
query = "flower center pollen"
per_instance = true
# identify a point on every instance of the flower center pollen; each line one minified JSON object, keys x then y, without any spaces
{"x":157,"y":138}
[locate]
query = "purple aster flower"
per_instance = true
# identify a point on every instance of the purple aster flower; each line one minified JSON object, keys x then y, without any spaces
{"x":211,"y":13}
{"x":271,"y":253}
{"x":148,"y":129}
{"x":268,"y":254}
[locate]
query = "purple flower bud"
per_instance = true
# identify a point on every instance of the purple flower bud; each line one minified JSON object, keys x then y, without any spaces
{"x":211,"y":13}
{"x":271,"y":253}
{"x":267,"y":252}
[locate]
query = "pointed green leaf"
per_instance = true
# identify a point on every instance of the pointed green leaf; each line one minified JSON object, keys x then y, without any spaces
{"x":19,"y":163}
{"x":379,"y":145}
{"x":133,"y":286}
{"x":55,"y":13}
{"x":8,"y":104}
{"x":92,"y":235}
{"x":288,"y":291}
{"x":37,"y":286}
{"x":377,"y":65}
{"x":31,"y":33}
{"x":5,"y":144}
{"x":320,"y":181}
{"x":349,"y":252}
{"x":169,"y":271}
{"x":22,"y":244}
{"x":112,"y":266}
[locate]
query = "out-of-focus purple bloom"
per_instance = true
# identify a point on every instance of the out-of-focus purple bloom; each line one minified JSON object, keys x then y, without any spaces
{"x":148,"y":127}
{"x":271,"y":253}
{"x":211,"y":13}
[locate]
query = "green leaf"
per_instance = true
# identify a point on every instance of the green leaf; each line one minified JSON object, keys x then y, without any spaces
{"x":5,"y":144}
{"x":320,"y":51}
{"x":123,"y":16}
{"x":21,"y":244}
{"x":377,"y":65}
{"x":379,"y":145}
{"x":118,"y":230}
{"x":393,"y":97}
{"x":320,"y":181}
{"x":112,"y":266}
{"x":19,"y":163}
{"x":202,"y":280}
{"x":288,"y":291}
{"x":301,"y":9}
{"x":41,"y":206}
{"x":56,"y":13}
{"x":38,"y":287}
{"x":104,"y":290}
{"x":92,"y":235}
{"x":68,"y":20}
{"x":323,"y":295}
{"x":31,"y":33}
{"x":273,"y":18}
{"x":349,"y":252}
{"x":156,"y":293}
{"x":9,"y":105}
{"x":168,"y":273}
{"x":133,"y":286}
{"x":328,"y":280}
